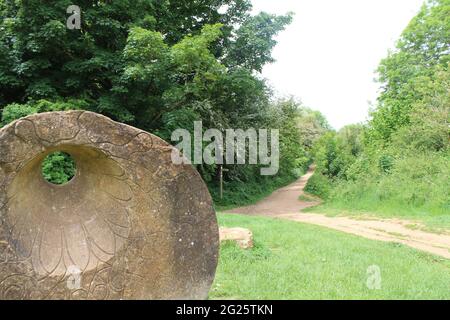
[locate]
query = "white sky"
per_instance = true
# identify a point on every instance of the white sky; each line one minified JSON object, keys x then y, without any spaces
{"x":328,"y":56}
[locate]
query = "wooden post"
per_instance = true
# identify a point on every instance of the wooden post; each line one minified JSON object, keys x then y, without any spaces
{"x":221,"y":180}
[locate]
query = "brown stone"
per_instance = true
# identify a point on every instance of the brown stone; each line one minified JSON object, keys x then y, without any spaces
{"x":243,"y":237}
{"x":129,"y":225}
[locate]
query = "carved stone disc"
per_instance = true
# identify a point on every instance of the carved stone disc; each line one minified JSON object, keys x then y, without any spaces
{"x":129,"y":225}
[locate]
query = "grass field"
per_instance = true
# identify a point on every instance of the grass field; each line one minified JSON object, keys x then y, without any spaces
{"x":296,"y":261}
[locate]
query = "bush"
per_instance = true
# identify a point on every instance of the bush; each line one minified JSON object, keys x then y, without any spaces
{"x":319,"y":185}
{"x":418,"y":183}
{"x":16,"y":111}
{"x":386,"y":163}
{"x":58,"y":168}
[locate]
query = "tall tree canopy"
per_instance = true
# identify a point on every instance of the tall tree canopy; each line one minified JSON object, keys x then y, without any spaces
{"x":159,"y":65}
{"x":138,"y":60}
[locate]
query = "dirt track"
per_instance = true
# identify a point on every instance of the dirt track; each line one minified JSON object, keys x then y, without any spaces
{"x":284,"y":204}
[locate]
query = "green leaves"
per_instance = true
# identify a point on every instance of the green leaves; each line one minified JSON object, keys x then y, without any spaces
{"x":386,"y":163}
{"x":58,"y":168}
{"x":144,"y":46}
{"x":192,"y":54}
{"x":155,"y":64}
{"x":254,"y":41}
{"x":428,"y":34}
{"x":407,"y":73}
{"x":400,"y":161}
{"x":15,"y":111}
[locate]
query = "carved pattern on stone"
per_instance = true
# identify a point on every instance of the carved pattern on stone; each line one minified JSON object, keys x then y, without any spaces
{"x":135,"y":225}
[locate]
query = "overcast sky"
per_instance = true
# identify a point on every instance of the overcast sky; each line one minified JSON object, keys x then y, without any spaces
{"x":328,"y":56}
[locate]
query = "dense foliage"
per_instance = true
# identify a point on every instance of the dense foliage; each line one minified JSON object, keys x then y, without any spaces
{"x":158,"y":65}
{"x":400,"y":161}
{"x":58,"y":168}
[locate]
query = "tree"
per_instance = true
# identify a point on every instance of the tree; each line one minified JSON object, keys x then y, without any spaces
{"x":399,"y":161}
{"x":186,"y":55}
{"x":352,"y":138}
{"x":255,"y":40}
{"x":155,"y":64}
{"x":421,"y":52}
{"x":312,"y":125}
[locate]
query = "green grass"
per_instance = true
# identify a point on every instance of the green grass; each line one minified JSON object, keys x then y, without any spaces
{"x":306,"y":197}
{"x":420,"y":219}
{"x":416,"y":187}
{"x":296,"y":261}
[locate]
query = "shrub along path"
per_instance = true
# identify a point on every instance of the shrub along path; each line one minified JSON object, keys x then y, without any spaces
{"x":285,"y":204}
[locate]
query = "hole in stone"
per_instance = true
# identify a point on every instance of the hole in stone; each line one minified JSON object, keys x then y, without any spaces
{"x":58,"y":168}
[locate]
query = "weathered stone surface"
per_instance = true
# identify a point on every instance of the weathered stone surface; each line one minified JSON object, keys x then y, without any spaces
{"x":243,"y":237}
{"x":129,"y":225}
